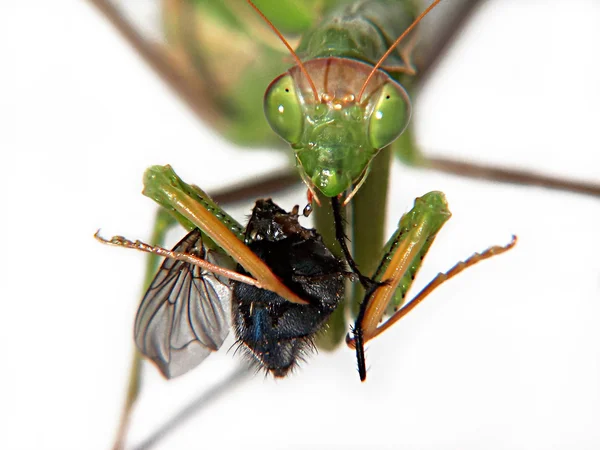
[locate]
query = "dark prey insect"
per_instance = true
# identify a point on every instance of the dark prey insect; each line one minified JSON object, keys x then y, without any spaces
{"x":187,"y":311}
{"x":275,"y":331}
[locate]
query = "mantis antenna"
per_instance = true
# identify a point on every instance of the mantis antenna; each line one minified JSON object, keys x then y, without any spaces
{"x":393,"y":46}
{"x":289,"y":47}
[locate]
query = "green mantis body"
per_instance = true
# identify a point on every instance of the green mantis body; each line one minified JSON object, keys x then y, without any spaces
{"x":375,"y":220}
{"x":356,"y":36}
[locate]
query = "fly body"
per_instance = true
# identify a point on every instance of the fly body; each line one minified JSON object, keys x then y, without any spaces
{"x":187,"y":311}
{"x":275,"y":332}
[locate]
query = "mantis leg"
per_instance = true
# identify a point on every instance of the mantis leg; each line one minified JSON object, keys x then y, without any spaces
{"x":407,"y":150}
{"x":264,"y":187}
{"x":438,"y":281}
{"x":162,"y":223}
{"x":165,"y":190}
{"x":511,"y":176}
{"x":403,"y":255}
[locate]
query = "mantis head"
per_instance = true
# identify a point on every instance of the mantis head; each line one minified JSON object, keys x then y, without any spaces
{"x":335,"y":133}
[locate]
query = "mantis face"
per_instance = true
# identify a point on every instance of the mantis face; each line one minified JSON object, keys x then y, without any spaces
{"x":334,"y":134}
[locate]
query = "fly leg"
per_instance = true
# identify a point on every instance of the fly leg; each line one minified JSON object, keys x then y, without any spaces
{"x":367,"y":218}
{"x":340,"y":236}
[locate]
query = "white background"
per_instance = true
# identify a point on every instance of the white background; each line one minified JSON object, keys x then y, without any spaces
{"x":506,"y":356}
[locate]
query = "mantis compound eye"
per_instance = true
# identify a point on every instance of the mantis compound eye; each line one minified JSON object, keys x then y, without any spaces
{"x":390,"y":116}
{"x":283,"y":109}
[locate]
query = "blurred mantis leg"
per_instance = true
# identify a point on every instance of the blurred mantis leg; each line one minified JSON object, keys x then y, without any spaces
{"x":363,"y":334}
{"x":193,"y":94}
{"x":440,"y":279}
{"x":163,"y":222}
{"x":263,"y":187}
{"x":407,"y":150}
{"x":402,"y":258}
{"x":512,"y":176}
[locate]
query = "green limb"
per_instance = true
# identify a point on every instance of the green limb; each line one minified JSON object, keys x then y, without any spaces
{"x":432,"y":210}
{"x":403,"y":256}
{"x":162,"y":223}
{"x":162,"y":185}
{"x":193,"y":208}
{"x":368,"y":220}
{"x":159,"y":184}
{"x":442,"y":278}
{"x":167,"y":216}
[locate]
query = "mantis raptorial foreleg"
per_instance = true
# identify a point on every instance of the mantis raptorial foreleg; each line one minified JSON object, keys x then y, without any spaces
{"x":162,"y":184}
{"x":402,"y":259}
{"x":438,"y":281}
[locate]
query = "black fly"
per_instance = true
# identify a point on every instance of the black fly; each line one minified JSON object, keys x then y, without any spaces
{"x":187,"y":311}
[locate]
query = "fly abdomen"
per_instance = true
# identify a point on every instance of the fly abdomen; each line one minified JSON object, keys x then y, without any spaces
{"x":275,"y":332}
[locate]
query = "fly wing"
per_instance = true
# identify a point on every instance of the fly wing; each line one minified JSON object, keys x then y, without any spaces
{"x":186,"y":312}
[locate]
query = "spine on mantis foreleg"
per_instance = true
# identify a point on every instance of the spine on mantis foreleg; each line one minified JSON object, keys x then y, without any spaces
{"x":415,"y":233}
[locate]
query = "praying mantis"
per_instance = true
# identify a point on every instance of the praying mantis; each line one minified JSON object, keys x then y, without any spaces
{"x":552,"y":213}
